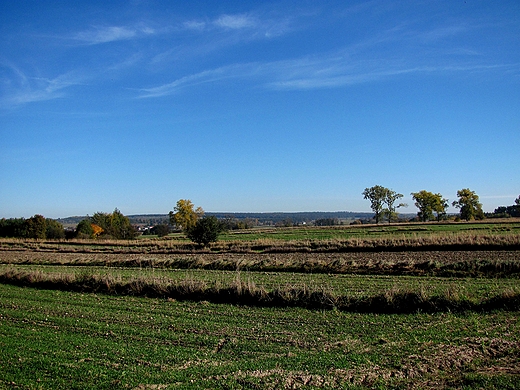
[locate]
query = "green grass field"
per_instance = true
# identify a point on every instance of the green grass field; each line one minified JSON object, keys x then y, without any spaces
{"x":63,"y":340}
{"x":342,"y":232}
{"x":373,"y":231}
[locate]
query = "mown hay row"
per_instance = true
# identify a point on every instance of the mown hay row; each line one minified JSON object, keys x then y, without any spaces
{"x":435,"y":263}
{"x":432,"y":242}
{"x":247,"y":293}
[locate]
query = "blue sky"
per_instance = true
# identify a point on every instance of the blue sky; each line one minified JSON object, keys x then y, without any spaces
{"x":255,"y":106}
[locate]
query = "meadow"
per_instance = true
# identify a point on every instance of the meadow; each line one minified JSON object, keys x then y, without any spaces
{"x":411,"y":306}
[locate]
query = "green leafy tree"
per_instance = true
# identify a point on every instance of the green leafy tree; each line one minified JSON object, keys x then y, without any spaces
{"x":376,"y":195}
{"x":102,"y":220}
{"x":120,"y":226}
{"x":205,"y":230}
{"x":161,"y":230}
{"x":391,"y":209}
{"x":85,"y":229}
{"x":508,"y":211}
{"x":441,"y":206}
{"x":380,"y":197}
{"x":428,"y":203}
{"x":36,"y":227}
{"x":184,"y":214}
{"x":13,"y":227}
{"x":514,"y":210}
{"x":54,"y":229}
{"x":424,"y":201}
{"x":114,"y":225}
{"x":5,"y":227}
{"x":469,"y":205}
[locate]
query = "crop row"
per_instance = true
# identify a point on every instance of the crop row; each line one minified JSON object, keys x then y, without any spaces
{"x":474,"y":289}
{"x":347,"y":294}
{"x":498,"y":263}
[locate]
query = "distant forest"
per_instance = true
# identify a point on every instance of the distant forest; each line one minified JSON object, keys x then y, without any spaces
{"x":263,"y":219}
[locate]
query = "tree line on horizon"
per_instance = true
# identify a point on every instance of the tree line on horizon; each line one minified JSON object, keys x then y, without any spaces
{"x":431,"y":206}
{"x":100,"y":225}
{"x":195,"y":224}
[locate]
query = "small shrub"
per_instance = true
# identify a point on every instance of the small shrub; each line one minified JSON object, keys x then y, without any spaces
{"x":206,"y":230}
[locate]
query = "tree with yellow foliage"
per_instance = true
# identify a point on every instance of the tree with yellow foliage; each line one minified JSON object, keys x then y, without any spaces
{"x":96,"y":230}
{"x":184,"y":215}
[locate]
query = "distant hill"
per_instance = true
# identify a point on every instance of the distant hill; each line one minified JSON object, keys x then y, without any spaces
{"x":262,"y":218}
{"x":296,"y":218}
{"x":70,"y":221}
{"x":141,"y":219}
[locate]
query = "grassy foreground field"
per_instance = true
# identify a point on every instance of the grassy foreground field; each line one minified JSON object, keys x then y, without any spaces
{"x":412,"y":306}
{"x":55,"y":339}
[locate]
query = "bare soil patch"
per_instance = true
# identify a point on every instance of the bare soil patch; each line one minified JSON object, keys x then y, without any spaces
{"x":424,"y":370}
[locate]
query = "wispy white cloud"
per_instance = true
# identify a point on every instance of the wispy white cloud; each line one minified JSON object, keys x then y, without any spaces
{"x":443,"y":32}
{"x":221,"y":33}
{"x":208,"y":76}
{"x":97,"y":35}
{"x":256,"y":24}
{"x":324,"y":75}
{"x":196,"y":25}
{"x":331,"y":71}
{"x":404,"y":48}
{"x":125,"y":63}
{"x":277,"y":27}
{"x":291,"y":74}
{"x":235,"y":22}
{"x":315,"y":80}
{"x":328,"y":71}
{"x":22,"y":89}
